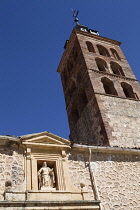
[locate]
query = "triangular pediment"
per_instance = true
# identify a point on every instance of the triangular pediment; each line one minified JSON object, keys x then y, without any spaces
{"x":44,"y":139}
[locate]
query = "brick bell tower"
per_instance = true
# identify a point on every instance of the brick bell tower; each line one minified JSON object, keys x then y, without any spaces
{"x":101,"y":92}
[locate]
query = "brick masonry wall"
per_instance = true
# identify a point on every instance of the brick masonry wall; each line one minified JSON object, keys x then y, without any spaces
{"x":96,"y":77}
{"x":122,"y":120}
{"x":117,"y":178}
{"x":11,"y":169}
{"x":90,"y":57}
{"x":89,"y":129}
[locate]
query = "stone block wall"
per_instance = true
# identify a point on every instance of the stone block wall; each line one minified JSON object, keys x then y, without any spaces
{"x":79,"y":172}
{"x":117,"y":178}
{"x":108,"y":44}
{"x":11,"y":169}
{"x":122,"y":120}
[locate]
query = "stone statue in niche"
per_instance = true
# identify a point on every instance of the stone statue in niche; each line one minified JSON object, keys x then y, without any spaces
{"x":46,"y":177}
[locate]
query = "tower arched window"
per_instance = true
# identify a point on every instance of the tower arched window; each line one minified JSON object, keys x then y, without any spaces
{"x":90,"y":47}
{"x":115,"y":54}
{"x":108,"y":86}
{"x":102,"y":65}
{"x":103,"y":51}
{"x":116,"y":68}
{"x":128,"y":90}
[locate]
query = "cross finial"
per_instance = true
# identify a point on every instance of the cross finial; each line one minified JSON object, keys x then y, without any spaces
{"x":75,"y":14}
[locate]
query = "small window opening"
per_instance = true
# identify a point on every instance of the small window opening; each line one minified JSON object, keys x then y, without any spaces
{"x":103,"y":51}
{"x":115,"y":54}
{"x":102,"y":66}
{"x":90,"y":47}
{"x":128,"y":90}
{"x":108,"y":86}
{"x":117,"y":69}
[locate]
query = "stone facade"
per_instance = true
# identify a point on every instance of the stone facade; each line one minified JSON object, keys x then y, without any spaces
{"x":86,"y":177}
{"x":117,"y":178}
{"x":122,"y":120}
{"x":11,"y":168}
{"x":21,"y":160}
{"x":116,"y":175}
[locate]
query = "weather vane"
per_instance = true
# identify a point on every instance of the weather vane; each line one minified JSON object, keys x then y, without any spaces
{"x":75,"y":14}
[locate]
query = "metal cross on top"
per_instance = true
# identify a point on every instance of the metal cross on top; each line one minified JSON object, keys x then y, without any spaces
{"x":75,"y":14}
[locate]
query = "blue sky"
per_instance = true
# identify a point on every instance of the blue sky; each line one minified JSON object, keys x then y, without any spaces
{"x":32,"y":36}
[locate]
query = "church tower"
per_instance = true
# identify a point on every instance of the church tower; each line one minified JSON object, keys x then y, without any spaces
{"x":101,"y":91}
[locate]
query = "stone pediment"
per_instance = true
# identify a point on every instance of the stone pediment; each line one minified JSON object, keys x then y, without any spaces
{"x":45,"y":139}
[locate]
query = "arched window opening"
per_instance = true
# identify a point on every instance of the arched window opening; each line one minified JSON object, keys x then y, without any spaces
{"x":115,"y":54}
{"x":90,"y":47}
{"x":108,"y":86}
{"x":116,"y":68}
{"x":128,"y":90}
{"x":102,"y":66}
{"x":74,"y":116}
{"x":103,"y":51}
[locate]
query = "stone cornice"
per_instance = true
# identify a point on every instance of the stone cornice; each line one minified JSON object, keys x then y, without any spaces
{"x":133,"y":99}
{"x":45,"y":145}
{"x":106,"y":149}
{"x":76,"y":31}
{"x":5,"y":139}
{"x":113,"y":75}
{"x":53,"y":204}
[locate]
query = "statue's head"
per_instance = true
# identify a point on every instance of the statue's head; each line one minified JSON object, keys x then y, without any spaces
{"x":44,"y":164}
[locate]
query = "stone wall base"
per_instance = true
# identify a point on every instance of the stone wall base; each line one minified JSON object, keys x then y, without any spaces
{"x":51,"y":205}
